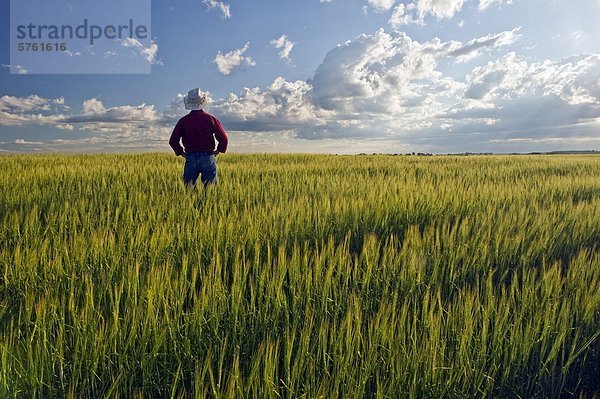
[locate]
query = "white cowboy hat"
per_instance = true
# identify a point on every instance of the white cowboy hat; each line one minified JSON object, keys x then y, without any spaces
{"x":194,"y":100}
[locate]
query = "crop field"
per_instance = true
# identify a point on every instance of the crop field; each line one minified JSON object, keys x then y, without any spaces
{"x":300,"y":276}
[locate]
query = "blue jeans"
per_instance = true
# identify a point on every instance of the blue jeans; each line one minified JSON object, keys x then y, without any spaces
{"x":201,"y":164}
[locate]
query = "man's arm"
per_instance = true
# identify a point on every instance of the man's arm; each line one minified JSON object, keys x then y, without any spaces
{"x":175,"y":137}
{"x":221,"y":136}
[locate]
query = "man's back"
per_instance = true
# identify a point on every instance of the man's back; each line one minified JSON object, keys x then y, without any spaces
{"x":197,"y":130}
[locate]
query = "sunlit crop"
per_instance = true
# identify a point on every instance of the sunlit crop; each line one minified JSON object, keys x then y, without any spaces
{"x":300,"y":276}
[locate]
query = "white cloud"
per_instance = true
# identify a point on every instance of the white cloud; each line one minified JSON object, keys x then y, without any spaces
{"x":21,"y":70}
{"x":284,"y":46}
{"x":124,"y":123}
{"x":404,"y":14}
{"x":71,"y":53}
{"x":148,"y":53}
{"x":483,"y":4}
{"x":388,"y":72}
{"x":574,"y":80}
{"x":416,"y":11}
{"x":379,"y":89}
{"x":221,"y":6}
{"x":97,"y":117}
{"x":559,"y":140}
{"x":474,"y":47}
{"x":373,"y":78}
{"x":29,"y":103}
{"x":16,"y":119}
{"x":381,"y":5}
{"x":388,"y":85}
{"x":33,"y":109}
{"x":502,"y":75}
{"x":93,"y":106}
{"x":439,"y":8}
{"x":25,"y":142}
{"x":226,"y":63}
{"x":281,"y":105}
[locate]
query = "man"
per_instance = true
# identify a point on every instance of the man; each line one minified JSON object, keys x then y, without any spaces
{"x":198,"y":130}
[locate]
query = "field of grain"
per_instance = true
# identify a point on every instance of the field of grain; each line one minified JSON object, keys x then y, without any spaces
{"x":300,"y":276}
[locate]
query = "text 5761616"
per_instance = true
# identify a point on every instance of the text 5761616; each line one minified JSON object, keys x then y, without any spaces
{"x":41,"y":46}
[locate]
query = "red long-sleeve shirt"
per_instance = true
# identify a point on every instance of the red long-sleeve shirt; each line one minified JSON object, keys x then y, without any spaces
{"x":198,"y":130}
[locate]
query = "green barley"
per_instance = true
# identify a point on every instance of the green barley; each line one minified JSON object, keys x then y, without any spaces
{"x":300,"y":276}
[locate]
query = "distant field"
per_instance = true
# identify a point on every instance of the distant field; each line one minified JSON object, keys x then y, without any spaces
{"x":300,"y":276}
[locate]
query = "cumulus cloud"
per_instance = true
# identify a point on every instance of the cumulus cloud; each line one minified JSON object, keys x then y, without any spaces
{"x":475,"y":47}
{"x":573,"y":80}
{"x":281,"y":105}
{"x":512,"y":101}
{"x":30,"y":103}
{"x":122,"y":123}
{"x":387,"y":72}
{"x":381,"y":5}
{"x":125,"y":118}
{"x":226,"y":63}
{"x":483,"y":4}
{"x":388,"y":78}
{"x":284,"y":46}
{"x":404,"y":14}
{"x":439,"y":8}
{"x":148,"y":53}
{"x":26,"y":142}
{"x":389,"y":85}
{"x":383,"y":64}
{"x":380,"y":89}
{"x":20,"y":70}
{"x":73,"y":54}
{"x":415,"y":12}
{"x":33,"y":109}
{"x":219,"y":5}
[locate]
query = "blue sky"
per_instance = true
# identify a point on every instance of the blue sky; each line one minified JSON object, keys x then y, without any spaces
{"x":341,"y":76}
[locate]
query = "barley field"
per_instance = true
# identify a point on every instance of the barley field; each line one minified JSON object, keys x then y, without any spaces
{"x":300,"y":276}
